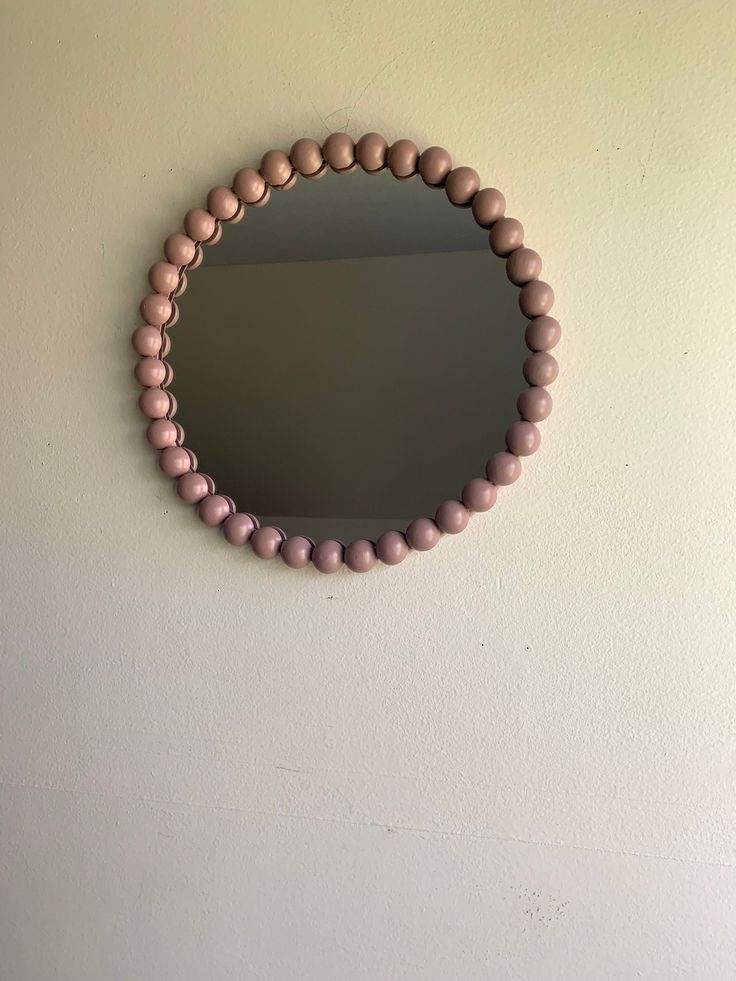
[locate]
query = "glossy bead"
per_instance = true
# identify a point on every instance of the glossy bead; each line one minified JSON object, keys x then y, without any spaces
{"x":156,"y":309}
{"x":503,"y":469}
{"x":163,"y":277}
{"x":175,"y":461}
{"x":506,"y":235}
{"x":422,"y":534}
{"x":370,"y":152}
{"x":306,"y":156}
{"x":164,"y":432}
{"x":147,"y":341}
{"x":339,"y":152}
{"x":154,"y":403}
{"x":222,"y":203}
{"x":536,"y":299}
{"x":534,"y":404}
{"x":199,"y":224}
{"x":174,"y":315}
{"x":360,"y":555}
{"x":391,"y":548}
{"x":488,"y":206}
{"x":166,"y":346}
{"x":238,"y":528}
{"x":461,"y":186}
{"x":523,"y":265}
{"x":266,"y":542}
{"x":194,"y":487}
{"x":523,"y":438}
{"x":479,"y":494}
{"x":181,"y":285}
{"x":452,"y":517}
{"x":297,"y":552}
{"x":198,"y":258}
{"x":179,"y":249}
{"x":214,"y":509}
{"x":403,"y":159}
{"x":150,"y":372}
{"x":542,"y":334}
{"x":541,"y":369}
{"x":327,"y":556}
{"x":434,"y":166}
{"x":276,"y":168}
{"x":250,"y":187}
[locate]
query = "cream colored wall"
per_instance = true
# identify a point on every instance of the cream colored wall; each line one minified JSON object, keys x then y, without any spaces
{"x":512,"y":758}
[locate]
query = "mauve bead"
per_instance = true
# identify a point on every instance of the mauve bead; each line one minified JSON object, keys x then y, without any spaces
{"x":534,"y":404}
{"x":479,"y":494}
{"x":297,"y":552}
{"x":339,"y":152}
{"x":222,"y":203}
{"x":542,"y":334}
{"x":154,"y":403}
{"x":503,"y":469}
{"x":194,"y":487}
{"x":163,"y":277}
{"x":523,"y":265}
{"x":266,"y":542}
{"x":175,"y":461}
{"x":249,"y":186}
{"x":370,"y":152}
{"x":238,"y":528}
{"x":523,"y":438}
{"x":147,"y":341}
{"x":391,"y":548}
{"x":214,"y":509}
{"x":360,"y":555}
{"x":452,"y":517}
{"x":179,"y":249}
{"x":403,"y":159}
{"x":198,"y":258}
{"x":461,"y":186}
{"x":506,"y":235}
{"x":174,"y":315}
{"x":276,"y":168}
{"x":488,"y":206}
{"x":163,"y":432}
{"x":434,"y":166}
{"x":327,"y":556}
{"x":199,"y":224}
{"x":536,"y":299}
{"x":306,"y":156}
{"x":422,"y":534}
{"x":155,"y":309}
{"x":541,"y":369}
{"x":150,"y":372}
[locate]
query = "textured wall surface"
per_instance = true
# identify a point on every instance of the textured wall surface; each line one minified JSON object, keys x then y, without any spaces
{"x":510,"y":759}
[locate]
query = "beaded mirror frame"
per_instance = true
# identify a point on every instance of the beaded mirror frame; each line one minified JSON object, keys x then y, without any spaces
{"x":251,"y":188}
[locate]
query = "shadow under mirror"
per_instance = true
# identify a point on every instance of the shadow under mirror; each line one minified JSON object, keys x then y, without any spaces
{"x":348,"y":356}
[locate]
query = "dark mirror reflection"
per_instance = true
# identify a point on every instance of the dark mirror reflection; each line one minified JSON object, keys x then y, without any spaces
{"x":348,"y":356}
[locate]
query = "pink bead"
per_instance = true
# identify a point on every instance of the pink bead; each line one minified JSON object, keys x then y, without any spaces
{"x":370,"y":152}
{"x":156,"y":309}
{"x":488,"y":206}
{"x":147,"y":341}
{"x":523,"y":438}
{"x":164,"y":432}
{"x":250,"y":187}
{"x":391,"y":548}
{"x":339,"y":152}
{"x":174,"y":315}
{"x":461,"y":186}
{"x":360,"y":555}
{"x":327,"y":556}
{"x":163,"y":277}
{"x":403,"y":159}
{"x":276,"y":168}
{"x":434,"y":166}
{"x":523,"y":265}
{"x":542,"y":334}
{"x":238,"y":528}
{"x":266,"y":542}
{"x":297,"y":552}
{"x":198,"y":258}
{"x":214,"y":509}
{"x":541,"y":369}
{"x":422,"y":534}
{"x":199,"y":224}
{"x":150,"y":372}
{"x":154,"y":403}
{"x":306,"y":156}
{"x":534,"y":404}
{"x":182,"y":285}
{"x":238,"y":216}
{"x":452,"y":517}
{"x":222,"y":203}
{"x":194,"y":487}
{"x":179,"y":249}
{"x":175,"y":461}
{"x":536,"y":298}
{"x":506,"y":235}
{"x":479,"y":494}
{"x":503,"y":469}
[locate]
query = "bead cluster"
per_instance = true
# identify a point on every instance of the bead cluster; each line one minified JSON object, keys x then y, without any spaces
{"x":251,"y":189}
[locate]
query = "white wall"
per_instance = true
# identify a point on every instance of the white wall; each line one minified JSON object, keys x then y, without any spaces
{"x":512,"y":758}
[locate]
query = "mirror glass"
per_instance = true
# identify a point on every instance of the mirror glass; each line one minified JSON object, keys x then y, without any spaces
{"x":348,"y":356}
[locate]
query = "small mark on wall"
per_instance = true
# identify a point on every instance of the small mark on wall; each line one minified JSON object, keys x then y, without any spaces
{"x":539,"y":908}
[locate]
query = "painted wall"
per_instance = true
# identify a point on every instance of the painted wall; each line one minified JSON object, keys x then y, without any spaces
{"x":512,"y":758}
